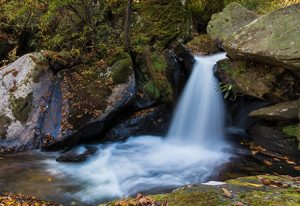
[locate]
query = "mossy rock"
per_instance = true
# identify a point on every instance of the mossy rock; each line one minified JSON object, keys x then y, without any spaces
{"x":262,"y":6}
{"x":254,"y":191}
{"x":21,"y":107}
{"x":202,"y":45}
{"x":92,"y":94}
{"x":159,"y":23}
{"x":272,"y":39}
{"x":234,"y":16}
{"x":261,"y":81}
{"x":158,"y":84}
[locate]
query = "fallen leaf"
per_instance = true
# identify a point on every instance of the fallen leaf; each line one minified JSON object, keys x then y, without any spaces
{"x":297,"y":167}
{"x":226,"y":193}
{"x":268,"y":163}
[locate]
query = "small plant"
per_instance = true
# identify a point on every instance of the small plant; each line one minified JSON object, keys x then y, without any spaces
{"x":228,"y":90}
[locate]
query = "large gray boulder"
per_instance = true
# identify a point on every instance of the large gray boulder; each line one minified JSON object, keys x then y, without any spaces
{"x":284,"y":111}
{"x":273,"y":39}
{"x":25,"y":89}
{"x":232,"y":18}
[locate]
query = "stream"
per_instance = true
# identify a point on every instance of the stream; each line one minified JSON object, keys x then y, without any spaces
{"x":194,"y":151}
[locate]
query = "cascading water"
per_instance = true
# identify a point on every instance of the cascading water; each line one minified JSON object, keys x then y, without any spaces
{"x":191,"y":152}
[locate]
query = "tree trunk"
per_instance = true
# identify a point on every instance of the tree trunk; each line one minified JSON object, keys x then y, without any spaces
{"x":127,"y":26}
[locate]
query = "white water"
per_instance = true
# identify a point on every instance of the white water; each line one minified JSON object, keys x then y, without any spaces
{"x":191,"y":152}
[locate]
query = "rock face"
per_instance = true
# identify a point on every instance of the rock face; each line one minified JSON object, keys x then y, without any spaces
{"x":232,"y":18}
{"x":261,"y":81}
{"x":275,"y":140}
{"x":91,"y":96}
{"x":285,"y":111}
{"x":39,"y":109}
{"x":25,"y":88}
{"x":151,"y":121}
{"x":273,"y":39}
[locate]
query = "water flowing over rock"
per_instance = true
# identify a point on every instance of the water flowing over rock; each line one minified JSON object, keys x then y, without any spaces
{"x":273,"y":39}
{"x":222,"y":25}
{"x":25,"y":88}
{"x":191,"y":152}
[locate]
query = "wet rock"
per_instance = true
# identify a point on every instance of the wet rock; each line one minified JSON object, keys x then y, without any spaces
{"x":273,"y":39}
{"x":151,"y":121}
{"x":261,"y":81}
{"x":79,"y":154}
{"x":222,"y":25}
{"x":274,"y":139}
{"x":186,"y":58}
{"x":91,"y":96}
{"x":284,"y":111}
{"x":203,"y":45}
{"x":25,"y":88}
{"x":174,"y":72}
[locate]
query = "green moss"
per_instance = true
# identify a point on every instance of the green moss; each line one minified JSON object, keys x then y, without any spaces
{"x":4,"y":123}
{"x":157,"y":84}
{"x":291,"y":130}
{"x":247,"y":190}
{"x":21,"y":107}
{"x":122,"y":70}
{"x":263,"y":6}
{"x":152,"y":90}
{"x":191,"y":197}
{"x":203,"y":45}
{"x":159,"y":63}
{"x":159,"y":23}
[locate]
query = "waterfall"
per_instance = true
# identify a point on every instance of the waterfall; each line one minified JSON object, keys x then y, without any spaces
{"x":199,"y":117}
{"x":191,"y":152}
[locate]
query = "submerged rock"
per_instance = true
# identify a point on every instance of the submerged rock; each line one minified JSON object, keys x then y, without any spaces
{"x":273,"y":39}
{"x":79,"y":154}
{"x":284,"y":111}
{"x":222,"y":25}
{"x":25,"y":87}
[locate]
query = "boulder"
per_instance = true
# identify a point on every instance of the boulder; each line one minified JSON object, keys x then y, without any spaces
{"x":274,"y":139}
{"x":203,"y":45}
{"x":234,"y":16}
{"x":25,"y":88}
{"x":151,"y":121}
{"x":273,"y":39}
{"x":284,"y":111}
{"x":261,"y":81}
{"x":78,"y":154}
{"x":91,"y":96}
